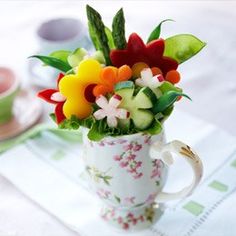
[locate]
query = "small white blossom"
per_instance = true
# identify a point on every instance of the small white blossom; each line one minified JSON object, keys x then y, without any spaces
{"x":148,"y":80}
{"x":110,"y":110}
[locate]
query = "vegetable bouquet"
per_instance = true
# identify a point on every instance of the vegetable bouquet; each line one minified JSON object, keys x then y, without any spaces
{"x":125,"y":86}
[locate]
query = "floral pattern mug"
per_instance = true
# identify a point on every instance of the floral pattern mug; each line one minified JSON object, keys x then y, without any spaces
{"x":128,"y":173}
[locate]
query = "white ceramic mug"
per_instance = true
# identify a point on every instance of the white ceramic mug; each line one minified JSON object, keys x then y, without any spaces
{"x":52,"y":35}
{"x":128,"y":173}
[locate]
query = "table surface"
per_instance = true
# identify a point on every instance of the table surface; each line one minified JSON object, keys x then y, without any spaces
{"x":209,"y":78}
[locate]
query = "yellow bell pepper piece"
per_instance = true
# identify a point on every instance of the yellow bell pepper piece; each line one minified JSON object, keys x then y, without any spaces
{"x":73,"y":88}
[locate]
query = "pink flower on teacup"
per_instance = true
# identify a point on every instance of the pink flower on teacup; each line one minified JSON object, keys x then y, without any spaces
{"x":157,"y":166}
{"x":117,"y":158}
{"x":120,"y":220}
{"x":125,"y":226}
{"x":123,"y":164}
{"x":137,"y":147}
{"x":128,"y":147}
{"x":151,"y":198}
{"x":131,"y":157}
{"x":129,"y":200}
{"x":104,"y":194}
{"x":138,"y":175}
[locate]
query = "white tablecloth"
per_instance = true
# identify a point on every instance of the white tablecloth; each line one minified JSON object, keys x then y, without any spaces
{"x":209,"y":78}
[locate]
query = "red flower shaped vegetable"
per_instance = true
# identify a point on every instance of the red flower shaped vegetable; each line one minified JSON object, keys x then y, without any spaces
{"x":137,"y":51}
{"x":55,"y":97}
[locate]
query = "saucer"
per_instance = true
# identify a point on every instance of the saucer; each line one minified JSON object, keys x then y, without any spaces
{"x":26,"y":112}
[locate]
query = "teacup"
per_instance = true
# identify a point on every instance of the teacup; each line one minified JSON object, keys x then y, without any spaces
{"x":128,"y":173}
{"x":9,"y":87}
{"x":62,"y":33}
{"x":52,"y":35}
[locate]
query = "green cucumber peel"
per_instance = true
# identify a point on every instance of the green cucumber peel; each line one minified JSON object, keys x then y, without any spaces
{"x":98,"y":29}
{"x":155,"y":34}
{"x":61,"y":55}
{"x":118,"y":30}
{"x":124,"y":85}
{"x":155,"y":128}
{"x":53,"y":62}
{"x":167,"y":100}
{"x":182,"y":47}
{"x":76,"y":57}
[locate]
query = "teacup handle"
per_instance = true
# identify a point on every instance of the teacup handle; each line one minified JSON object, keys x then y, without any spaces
{"x":162,"y":151}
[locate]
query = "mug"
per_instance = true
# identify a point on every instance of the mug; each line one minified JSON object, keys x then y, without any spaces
{"x":61,"y":33}
{"x":9,"y":87}
{"x":52,"y":35}
{"x":128,"y":173}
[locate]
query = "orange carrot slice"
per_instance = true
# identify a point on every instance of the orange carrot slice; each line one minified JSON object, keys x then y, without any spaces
{"x":124,"y":73}
{"x":173,"y":76}
{"x":156,"y":71}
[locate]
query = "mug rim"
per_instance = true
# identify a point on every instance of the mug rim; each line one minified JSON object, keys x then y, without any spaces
{"x":78,"y":32}
{"x":13,"y":87}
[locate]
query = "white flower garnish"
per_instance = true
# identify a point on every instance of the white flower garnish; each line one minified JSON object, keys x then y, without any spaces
{"x":148,"y":80}
{"x":110,"y":110}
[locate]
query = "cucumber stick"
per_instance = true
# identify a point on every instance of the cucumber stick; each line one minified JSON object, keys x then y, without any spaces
{"x":98,"y":28}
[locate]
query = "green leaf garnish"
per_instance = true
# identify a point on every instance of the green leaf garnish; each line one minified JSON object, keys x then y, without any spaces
{"x":60,"y":54}
{"x":182,"y":47}
{"x":53,"y":62}
{"x":95,"y":133}
{"x":167,"y":86}
{"x":72,"y":123}
{"x":157,"y":31}
{"x":98,"y":30}
{"x":167,"y":100}
{"x":118,"y":30}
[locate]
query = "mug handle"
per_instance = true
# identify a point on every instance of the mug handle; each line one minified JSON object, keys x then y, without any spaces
{"x":158,"y":150}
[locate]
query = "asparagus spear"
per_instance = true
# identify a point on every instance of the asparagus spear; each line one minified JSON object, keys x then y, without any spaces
{"x":98,"y":27}
{"x":118,"y":30}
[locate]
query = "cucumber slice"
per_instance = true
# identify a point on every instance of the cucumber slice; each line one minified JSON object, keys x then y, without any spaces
{"x":142,"y":119}
{"x":137,"y":105}
{"x":76,"y":57}
{"x":145,"y":98}
{"x":98,"y":55}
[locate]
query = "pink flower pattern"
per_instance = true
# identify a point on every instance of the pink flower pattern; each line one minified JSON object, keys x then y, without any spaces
{"x":104,"y":194}
{"x":130,"y":219}
{"x":129,"y":200}
{"x":148,"y":139}
{"x":157,"y":168}
{"x":151,"y":198}
{"x":127,"y":159}
{"x":111,"y":143}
